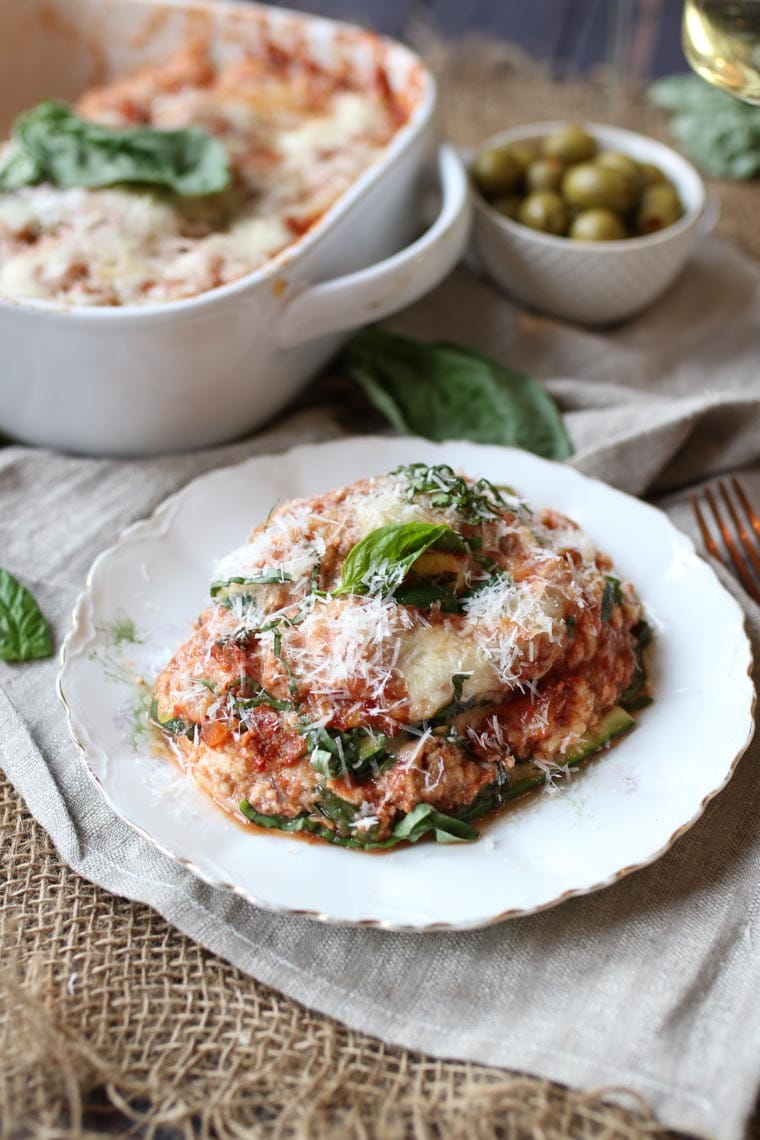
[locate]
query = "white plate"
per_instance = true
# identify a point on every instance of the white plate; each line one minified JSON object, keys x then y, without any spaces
{"x":619,"y":813}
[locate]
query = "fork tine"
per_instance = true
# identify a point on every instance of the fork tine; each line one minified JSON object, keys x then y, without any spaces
{"x":752,"y":516}
{"x":746,"y":537}
{"x":741,"y":566}
{"x":707,"y":538}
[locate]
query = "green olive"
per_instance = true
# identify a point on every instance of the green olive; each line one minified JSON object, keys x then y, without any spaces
{"x":544,"y":211}
{"x":615,"y":160}
{"x":651,"y":174}
{"x":589,"y":185}
{"x":522,"y":152}
{"x":597,"y":225}
{"x":495,"y":171}
{"x":544,"y":174}
{"x":508,"y":205}
{"x":660,"y":207}
{"x":569,"y":144}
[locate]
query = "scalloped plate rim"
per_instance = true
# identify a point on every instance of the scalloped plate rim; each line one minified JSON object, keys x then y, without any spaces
{"x":162,"y":517}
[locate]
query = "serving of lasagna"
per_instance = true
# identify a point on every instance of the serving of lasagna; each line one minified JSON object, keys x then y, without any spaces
{"x":296,"y":137}
{"x":399,"y":658}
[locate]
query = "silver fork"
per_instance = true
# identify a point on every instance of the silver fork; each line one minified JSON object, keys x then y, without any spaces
{"x":740,"y":534}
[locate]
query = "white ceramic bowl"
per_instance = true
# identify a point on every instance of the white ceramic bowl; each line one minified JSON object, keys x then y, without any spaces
{"x":196,"y":372}
{"x":594,"y":283}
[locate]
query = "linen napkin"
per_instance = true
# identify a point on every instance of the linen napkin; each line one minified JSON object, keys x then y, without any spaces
{"x":653,"y":984}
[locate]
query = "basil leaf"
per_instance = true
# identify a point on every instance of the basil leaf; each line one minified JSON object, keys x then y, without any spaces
{"x":381,"y":560}
{"x":51,"y":143}
{"x":496,"y":795}
{"x":23,"y":630}
{"x":424,"y":818}
{"x":611,"y":597}
{"x":305,"y":822}
{"x":19,"y":168}
{"x":634,"y":698}
{"x":176,"y":726}
{"x":424,"y":595}
{"x":444,"y":391}
{"x":413,"y":827}
{"x":719,"y":132}
{"x":265,"y":578}
{"x":358,"y":752}
{"x":337,"y":810}
{"x":443,"y":488}
{"x":248,"y":693}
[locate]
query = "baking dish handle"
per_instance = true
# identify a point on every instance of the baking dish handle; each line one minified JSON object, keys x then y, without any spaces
{"x":370,"y":294}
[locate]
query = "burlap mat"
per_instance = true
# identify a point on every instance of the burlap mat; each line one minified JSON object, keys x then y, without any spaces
{"x":107,"y":1014}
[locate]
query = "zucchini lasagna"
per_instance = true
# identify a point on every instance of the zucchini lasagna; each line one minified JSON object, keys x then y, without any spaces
{"x":296,"y":137}
{"x":400,"y":657}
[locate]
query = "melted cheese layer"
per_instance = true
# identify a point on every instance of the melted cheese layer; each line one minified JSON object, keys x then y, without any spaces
{"x":296,"y":143}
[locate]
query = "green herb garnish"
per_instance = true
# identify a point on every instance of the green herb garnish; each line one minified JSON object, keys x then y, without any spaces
{"x":720,"y":132}
{"x":265,"y":578}
{"x":357,"y":752}
{"x":419,"y":822}
{"x":444,"y":489}
{"x":444,"y":391}
{"x":380,"y":561}
{"x":177,"y":726}
{"x":52,"y":144}
{"x":612,"y":596}
{"x":23,"y":630}
{"x":247,"y":693}
{"x":634,"y":697}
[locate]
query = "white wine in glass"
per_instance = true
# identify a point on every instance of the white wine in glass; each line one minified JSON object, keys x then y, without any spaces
{"x":721,"y":39}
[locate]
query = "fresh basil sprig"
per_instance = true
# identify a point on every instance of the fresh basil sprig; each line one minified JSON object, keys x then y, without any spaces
{"x":444,"y":391}
{"x":52,"y":144}
{"x":23,"y":630}
{"x":381,"y":560}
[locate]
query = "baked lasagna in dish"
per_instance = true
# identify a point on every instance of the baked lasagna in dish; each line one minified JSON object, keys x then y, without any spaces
{"x":401,"y":657}
{"x":296,"y":137}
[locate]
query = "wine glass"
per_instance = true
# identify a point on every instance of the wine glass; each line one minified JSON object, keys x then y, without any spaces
{"x":721,"y":40}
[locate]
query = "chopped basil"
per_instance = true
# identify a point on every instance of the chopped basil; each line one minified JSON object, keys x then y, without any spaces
{"x":380,"y":561}
{"x":444,"y":391}
{"x":423,"y":595}
{"x":337,"y":810}
{"x":612,"y":596}
{"x":455,"y":705}
{"x":247,"y":693}
{"x":52,"y":144}
{"x":357,"y":752}
{"x":424,"y":818}
{"x":419,"y":822}
{"x":176,"y":726}
{"x":23,"y":630}
{"x":265,"y":578}
{"x":496,"y":795}
{"x":634,"y":697}
{"x":475,"y":502}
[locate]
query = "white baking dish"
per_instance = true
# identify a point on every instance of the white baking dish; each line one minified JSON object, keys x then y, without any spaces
{"x":196,"y":372}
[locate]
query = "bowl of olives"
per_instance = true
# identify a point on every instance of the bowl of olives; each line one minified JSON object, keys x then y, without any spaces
{"x":587,"y":222}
